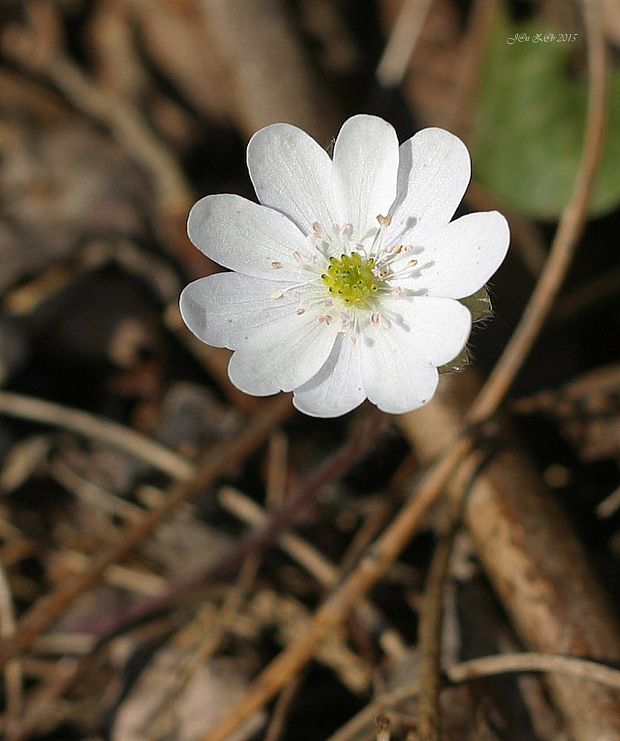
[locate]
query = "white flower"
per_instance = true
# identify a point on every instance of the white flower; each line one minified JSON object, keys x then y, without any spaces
{"x":346,"y":278}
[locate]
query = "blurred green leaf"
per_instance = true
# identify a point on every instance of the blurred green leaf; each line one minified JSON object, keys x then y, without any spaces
{"x":479,"y":304}
{"x":528,"y":135}
{"x":462,"y":360}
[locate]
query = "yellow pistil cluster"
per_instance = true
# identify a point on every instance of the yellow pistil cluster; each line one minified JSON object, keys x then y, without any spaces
{"x":352,"y":279}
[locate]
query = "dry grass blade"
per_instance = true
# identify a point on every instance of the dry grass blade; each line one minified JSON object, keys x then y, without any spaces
{"x":96,"y":428}
{"x":13,"y":675}
{"x":403,"y":39}
{"x":431,"y":624}
{"x":300,"y":550}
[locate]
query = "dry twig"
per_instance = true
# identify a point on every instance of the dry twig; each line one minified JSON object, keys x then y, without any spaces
{"x":97,"y":428}
{"x":431,"y":622}
{"x":485,"y":666}
{"x":13,"y":672}
{"x":401,"y":44}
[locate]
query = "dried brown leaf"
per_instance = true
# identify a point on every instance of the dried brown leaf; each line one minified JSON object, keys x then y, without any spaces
{"x":210,"y":691}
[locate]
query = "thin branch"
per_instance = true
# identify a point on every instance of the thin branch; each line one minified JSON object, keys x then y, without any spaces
{"x":480,"y":668}
{"x":297,"y":548}
{"x":609,"y":506}
{"x":97,"y":428}
{"x":472,"y":58}
{"x":44,"y":703}
{"x":431,"y":622}
{"x":277,"y":470}
{"x":282,"y":708}
{"x":128,"y":128}
{"x":431,"y":618}
{"x":307,"y":556}
{"x":13,"y":674}
{"x":534,"y":662}
{"x":92,"y":494}
{"x":404,"y":36}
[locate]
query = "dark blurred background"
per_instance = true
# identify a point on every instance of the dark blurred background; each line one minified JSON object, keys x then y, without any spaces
{"x":115,"y":116}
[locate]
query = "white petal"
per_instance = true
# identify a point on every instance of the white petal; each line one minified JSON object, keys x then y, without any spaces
{"x":282,"y":355}
{"x":224,"y":309}
{"x":435,"y":329}
{"x":395,"y":378}
{"x":246,"y":237}
{"x":292,"y":174}
{"x":460,"y":258}
{"x":433,"y":173}
{"x":337,"y":388}
{"x":365,"y":167}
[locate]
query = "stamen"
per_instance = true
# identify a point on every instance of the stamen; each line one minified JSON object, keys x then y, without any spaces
{"x":276,"y":265}
{"x":353,"y":279}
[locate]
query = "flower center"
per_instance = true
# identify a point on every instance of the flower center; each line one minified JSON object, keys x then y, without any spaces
{"x":352,"y":279}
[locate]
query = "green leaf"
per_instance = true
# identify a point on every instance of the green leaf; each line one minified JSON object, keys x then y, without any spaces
{"x":528,"y":134}
{"x":462,"y":360}
{"x":479,"y":305}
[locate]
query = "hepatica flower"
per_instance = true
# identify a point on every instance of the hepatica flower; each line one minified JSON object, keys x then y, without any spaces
{"x":345,"y":280}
